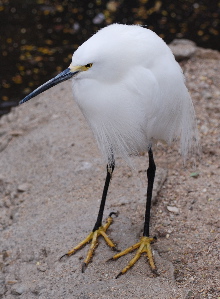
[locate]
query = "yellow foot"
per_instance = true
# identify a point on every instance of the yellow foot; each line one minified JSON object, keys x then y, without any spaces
{"x":143,"y":247}
{"x":93,"y":238}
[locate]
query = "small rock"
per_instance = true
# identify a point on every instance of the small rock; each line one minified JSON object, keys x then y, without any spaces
{"x":23,"y":187}
{"x":179,"y":277}
{"x":161,"y":232}
{"x":207,"y":95}
{"x":28,"y":257}
{"x":5,"y":254}
{"x":85,"y":165}
{"x":13,"y":195}
{"x":204,"y":129}
{"x":42,"y":267}
{"x":174,"y":210}
{"x":190,"y":293}
{"x":7,"y":202}
{"x":18,"y":289}
{"x":182,"y":48}
{"x":37,"y":289}
{"x":14,"y":214}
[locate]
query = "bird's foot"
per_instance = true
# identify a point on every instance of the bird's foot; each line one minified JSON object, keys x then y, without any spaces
{"x":93,"y":238}
{"x":143,"y":247}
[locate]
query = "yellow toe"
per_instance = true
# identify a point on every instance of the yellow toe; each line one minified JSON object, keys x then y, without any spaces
{"x":144,"y":246}
{"x":93,"y":238}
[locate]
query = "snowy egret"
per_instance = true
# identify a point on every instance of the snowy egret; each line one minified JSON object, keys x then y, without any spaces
{"x":132,"y":93}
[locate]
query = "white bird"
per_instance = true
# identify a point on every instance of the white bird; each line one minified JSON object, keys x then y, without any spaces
{"x":132,"y":93}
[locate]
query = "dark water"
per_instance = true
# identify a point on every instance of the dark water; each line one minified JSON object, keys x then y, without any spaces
{"x":37,"y":38}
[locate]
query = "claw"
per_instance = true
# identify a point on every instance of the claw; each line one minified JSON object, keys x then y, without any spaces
{"x":110,"y":260}
{"x":84,"y":265}
{"x":93,"y":238}
{"x":116,"y":249}
{"x":63,"y":256}
{"x":119,"y":274}
{"x":114,"y":213}
{"x":155,"y":272}
{"x":143,"y":247}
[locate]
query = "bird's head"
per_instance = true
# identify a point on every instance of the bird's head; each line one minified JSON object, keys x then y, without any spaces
{"x":107,"y":56}
{"x":63,"y":76}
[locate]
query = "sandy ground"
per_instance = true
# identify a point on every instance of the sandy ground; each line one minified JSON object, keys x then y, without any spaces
{"x":51,"y":178}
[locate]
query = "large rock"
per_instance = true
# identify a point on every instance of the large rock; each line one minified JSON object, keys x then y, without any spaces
{"x":182,"y":48}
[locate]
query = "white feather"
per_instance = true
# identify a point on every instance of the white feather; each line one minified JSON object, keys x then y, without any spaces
{"x":134,"y":94}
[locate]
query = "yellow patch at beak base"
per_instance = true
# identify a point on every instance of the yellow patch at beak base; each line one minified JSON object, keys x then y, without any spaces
{"x":80,"y":68}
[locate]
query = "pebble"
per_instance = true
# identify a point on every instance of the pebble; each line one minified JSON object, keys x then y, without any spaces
{"x":182,"y":48}
{"x":207,"y":95}
{"x":42,"y":267}
{"x":85,"y":165}
{"x":161,"y":232}
{"x":23,"y":187}
{"x":204,"y":129}
{"x":14,"y":215}
{"x":18,"y":289}
{"x":174,"y":210}
{"x":28,"y":257}
{"x":7,"y":202}
{"x":13,"y":195}
{"x":37,"y":289}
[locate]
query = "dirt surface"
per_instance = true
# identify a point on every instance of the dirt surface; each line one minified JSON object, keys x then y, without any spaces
{"x":51,"y":179}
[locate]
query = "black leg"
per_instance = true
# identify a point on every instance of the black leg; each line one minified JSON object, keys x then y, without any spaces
{"x":144,"y":245}
{"x":110,"y":169}
{"x":99,"y":229}
{"x":150,"y":176}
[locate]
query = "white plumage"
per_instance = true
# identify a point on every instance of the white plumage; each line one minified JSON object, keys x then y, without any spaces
{"x":134,"y":94}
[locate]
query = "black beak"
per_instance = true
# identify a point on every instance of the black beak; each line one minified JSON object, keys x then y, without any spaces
{"x":65,"y":75}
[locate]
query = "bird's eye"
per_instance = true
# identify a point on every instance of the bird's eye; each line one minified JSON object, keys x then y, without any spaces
{"x":88,"y":65}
